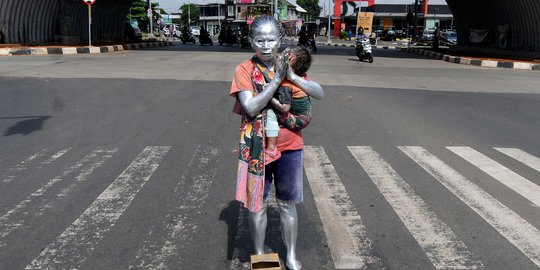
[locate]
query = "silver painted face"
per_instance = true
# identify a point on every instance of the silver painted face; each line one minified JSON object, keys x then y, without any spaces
{"x":265,"y":41}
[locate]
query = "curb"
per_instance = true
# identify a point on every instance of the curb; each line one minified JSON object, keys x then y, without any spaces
{"x":81,"y":50}
{"x":347,"y":44}
{"x":354,"y":45}
{"x":474,"y":62}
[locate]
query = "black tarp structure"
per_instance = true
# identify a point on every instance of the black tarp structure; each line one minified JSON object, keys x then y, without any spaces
{"x":522,"y":18}
{"x":45,"y":21}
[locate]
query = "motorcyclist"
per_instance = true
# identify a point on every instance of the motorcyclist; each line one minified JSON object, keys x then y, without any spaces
{"x":203,"y":32}
{"x":360,"y":34}
{"x":302,"y":36}
{"x":244,"y":41}
{"x":229,"y":35}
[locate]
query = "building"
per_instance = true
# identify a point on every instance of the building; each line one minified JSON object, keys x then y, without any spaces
{"x":394,"y":16}
{"x":238,"y":13}
{"x":211,"y":16}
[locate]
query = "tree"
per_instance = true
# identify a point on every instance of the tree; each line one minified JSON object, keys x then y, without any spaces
{"x":311,"y":6}
{"x":138,"y":11}
{"x":193,"y":13}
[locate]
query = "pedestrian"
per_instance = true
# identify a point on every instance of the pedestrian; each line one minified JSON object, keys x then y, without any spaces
{"x":254,"y":180}
{"x":350,"y":34}
{"x":436,"y":37}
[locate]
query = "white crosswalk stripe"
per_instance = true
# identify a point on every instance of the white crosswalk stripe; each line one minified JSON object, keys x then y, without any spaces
{"x":35,"y":204}
{"x":509,"y":224}
{"x":499,"y":172}
{"x":55,"y":156}
{"x":160,"y":253}
{"x":521,"y":156}
{"x":439,"y":242}
{"x":343,"y":226}
{"x":12,"y":173}
{"x":73,"y":246}
{"x":345,"y":233}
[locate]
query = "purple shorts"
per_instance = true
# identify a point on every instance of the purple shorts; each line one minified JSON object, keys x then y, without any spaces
{"x":287,"y":174}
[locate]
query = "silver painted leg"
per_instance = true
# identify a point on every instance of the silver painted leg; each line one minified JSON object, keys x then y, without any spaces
{"x":257,"y":228}
{"x":289,"y":228}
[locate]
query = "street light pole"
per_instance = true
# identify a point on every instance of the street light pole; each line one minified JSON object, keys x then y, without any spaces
{"x":329,"y":24}
{"x":276,"y":16}
{"x":415,"y":19}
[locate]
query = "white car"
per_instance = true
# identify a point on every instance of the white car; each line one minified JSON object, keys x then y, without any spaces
{"x":196,"y":31}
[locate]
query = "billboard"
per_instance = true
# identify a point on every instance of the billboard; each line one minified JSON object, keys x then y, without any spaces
{"x":364,"y":19}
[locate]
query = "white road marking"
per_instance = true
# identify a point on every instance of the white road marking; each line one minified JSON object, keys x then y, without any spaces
{"x":160,"y":252}
{"x":509,"y":224}
{"x":12,"y":173}
{"x":439,"y":242}
{"x":35,"y":204}
{"x":521,"y":156}
{"x":73,"y":246}
{"x":516,"y":182}
{"x":56,"y":156}
{"x":345,"y":233}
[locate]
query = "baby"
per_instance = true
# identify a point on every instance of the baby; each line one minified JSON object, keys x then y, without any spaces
{"x":291,"y":106}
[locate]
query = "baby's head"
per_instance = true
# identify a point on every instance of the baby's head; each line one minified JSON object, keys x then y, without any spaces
{"x":300,"y":60}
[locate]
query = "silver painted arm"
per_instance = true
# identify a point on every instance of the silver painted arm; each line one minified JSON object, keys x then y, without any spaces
{"x":313,"y":89}
{"x":254,"y":104}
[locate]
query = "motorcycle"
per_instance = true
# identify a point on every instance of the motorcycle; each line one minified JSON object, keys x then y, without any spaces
{"x":228,"y":38}
{"x":205,"y":39}
{"x":187,"y":37}
{"x":244,"y":42}
{"x":309,"y":44}
{"x":363,"y":49}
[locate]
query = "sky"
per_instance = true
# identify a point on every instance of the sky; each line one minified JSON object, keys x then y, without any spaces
{"x":173,"y":5}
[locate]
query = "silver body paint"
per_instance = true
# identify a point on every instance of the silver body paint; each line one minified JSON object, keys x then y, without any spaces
{"x":265,"y":38}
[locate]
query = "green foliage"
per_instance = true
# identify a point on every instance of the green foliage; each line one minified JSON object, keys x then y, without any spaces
{"x":193,"y":13}
{"x":343,"y":35}
{"x":138,"y":11}
{"x":311,"y":6}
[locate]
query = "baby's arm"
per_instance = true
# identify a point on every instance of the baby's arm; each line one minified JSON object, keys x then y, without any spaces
{"x":311,"y":88}
{"x":281,"y":107}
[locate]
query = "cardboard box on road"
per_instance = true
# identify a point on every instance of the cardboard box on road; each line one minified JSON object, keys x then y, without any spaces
{"x":265,"y":262}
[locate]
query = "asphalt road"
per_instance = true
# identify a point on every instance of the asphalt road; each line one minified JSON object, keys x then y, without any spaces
{"x":127,"y":161}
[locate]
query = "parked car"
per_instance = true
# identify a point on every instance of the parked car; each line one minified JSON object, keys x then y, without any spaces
{"x":196,"y":31}
{"x":448,"y":38}
{"x":378,"y":32}
{"x":132,"y":32}
{"x":389,"y":35}
{"x":167,"y":28}
{"x":427,"y":36}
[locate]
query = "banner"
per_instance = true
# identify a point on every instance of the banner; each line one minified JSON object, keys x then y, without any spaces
{"x":364,"y":19}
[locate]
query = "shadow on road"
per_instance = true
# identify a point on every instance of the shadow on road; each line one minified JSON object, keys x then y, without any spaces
{"x":25,"y":127}
{"x":239,"y":245}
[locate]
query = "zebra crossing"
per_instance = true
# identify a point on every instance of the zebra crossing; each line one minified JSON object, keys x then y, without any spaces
{"x":345,"y":233}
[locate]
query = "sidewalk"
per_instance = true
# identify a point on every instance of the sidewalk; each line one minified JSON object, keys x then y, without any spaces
{"x":465,"y":55}
{"x":18,"y":49}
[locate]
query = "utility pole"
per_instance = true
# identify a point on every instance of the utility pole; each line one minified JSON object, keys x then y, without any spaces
{"x":415,"y":19}
{"x":329,"y":24}
{"x":276,"y":15}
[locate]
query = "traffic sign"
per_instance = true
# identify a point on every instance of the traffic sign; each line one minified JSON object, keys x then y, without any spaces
{"x":89,"y":2}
